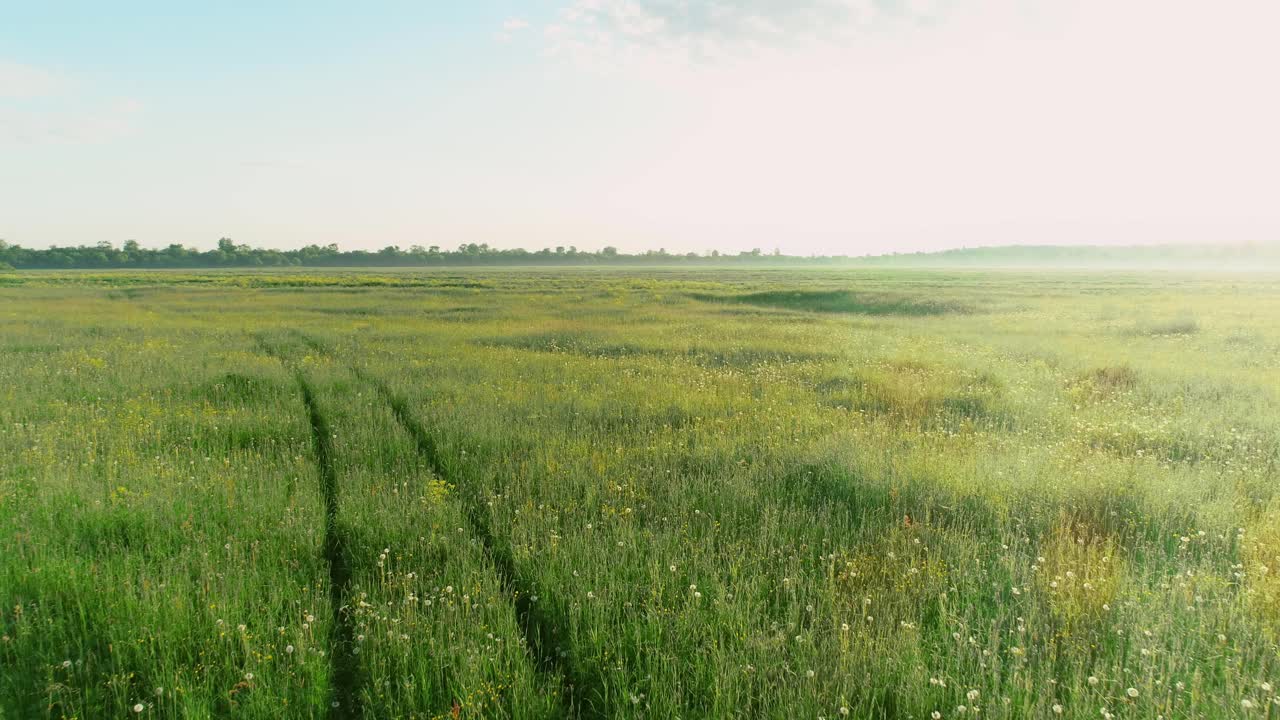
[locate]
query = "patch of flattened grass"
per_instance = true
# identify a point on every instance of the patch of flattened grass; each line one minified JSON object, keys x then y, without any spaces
{"x":1165,"y":328}
{"x":842,"y":301}
{"x":596,"y":346}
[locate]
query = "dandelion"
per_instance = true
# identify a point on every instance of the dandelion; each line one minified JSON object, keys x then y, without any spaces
{"x":935,"y":715}
{"x":1057,"y":709}
{"x":591,"y":595}
{"x":1131,"y":692}
{"x":1093,"y":680}
{"x":844,"y":710}
{"x":66,"y":664}
{"x":1266,"y":687}
{"x":139,"y":708}
{"x":972,"y":695}
{"x":311,"y":618}
{"x":288,"y":649}
{"x":1246,"y":704}
{"x":809,"y":674}
{"x":248,"y":677}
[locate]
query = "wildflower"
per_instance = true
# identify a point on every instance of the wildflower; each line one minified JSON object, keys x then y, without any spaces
{"x":844,"y":627}
{"x":66,"y":664}
{"x":1093,"y":680}
{"x":972,"y":695}
{"x":844,"y":710}
{"x":248,"y":676}
{"x":935,"y":715}
{"x":591,"y":595}
{"x":1131,"y":692}
{"x":1057,"y":709}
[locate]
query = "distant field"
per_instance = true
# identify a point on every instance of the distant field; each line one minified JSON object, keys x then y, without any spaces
{"x":639,"y":494}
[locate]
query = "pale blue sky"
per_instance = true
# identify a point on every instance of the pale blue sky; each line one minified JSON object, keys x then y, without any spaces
{"x":832,"y":126}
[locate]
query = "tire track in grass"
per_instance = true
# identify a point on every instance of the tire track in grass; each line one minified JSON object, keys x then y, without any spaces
{"x":539,"y":631}
{"x":343,"y":670}
{"x":342,"y":635}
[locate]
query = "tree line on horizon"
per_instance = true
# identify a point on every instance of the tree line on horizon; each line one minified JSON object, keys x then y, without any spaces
{"x":228,"y":254}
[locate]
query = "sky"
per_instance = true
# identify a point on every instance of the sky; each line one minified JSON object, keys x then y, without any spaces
{"x":842,"y":127}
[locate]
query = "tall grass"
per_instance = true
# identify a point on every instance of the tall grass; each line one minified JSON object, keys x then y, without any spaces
{"x":589,"y":494}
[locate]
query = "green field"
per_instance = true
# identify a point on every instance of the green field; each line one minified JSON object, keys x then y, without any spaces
{"x":626,"y":494}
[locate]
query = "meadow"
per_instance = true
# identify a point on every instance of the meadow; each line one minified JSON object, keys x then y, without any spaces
{"x":600,"y":493}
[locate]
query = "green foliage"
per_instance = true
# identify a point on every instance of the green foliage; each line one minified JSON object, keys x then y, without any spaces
{"x":227,"y":254}
{"x":755,"y":494}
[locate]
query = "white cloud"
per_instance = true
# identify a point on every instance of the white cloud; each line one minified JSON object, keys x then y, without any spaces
{"x":42,"y":107}
{"x":510,"y":27}
{"x":25,"y":81}
{"x":1036,"y":120}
